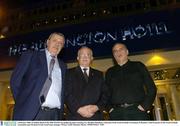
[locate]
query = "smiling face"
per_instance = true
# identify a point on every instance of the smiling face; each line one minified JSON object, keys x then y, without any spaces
{"x":120,"y":53}
{"x":85,"y":56}
{"x":55,"y":43}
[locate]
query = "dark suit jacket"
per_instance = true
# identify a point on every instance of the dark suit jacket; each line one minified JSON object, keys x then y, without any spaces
{"x":27,"y":81}
{"x":80,"y":93}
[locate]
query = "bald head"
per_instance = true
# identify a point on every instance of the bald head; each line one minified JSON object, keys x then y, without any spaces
{"x":120,"y":53}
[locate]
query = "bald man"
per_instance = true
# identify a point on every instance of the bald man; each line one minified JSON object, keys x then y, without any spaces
{"x":131,"y":88}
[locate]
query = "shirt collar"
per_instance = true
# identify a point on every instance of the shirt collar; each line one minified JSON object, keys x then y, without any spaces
{"x":124,"y":64}
{"x":49,"y":54}
{"x":84,"y":67}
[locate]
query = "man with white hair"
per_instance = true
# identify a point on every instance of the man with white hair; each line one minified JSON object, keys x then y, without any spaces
{"x":85,"y":89}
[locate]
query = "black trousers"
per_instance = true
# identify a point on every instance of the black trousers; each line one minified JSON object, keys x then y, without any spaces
{"x":49,"y":114}
{"x":129,"y":113}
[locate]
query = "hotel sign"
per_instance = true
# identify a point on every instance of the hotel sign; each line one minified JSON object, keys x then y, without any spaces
{"x":150,"y":31}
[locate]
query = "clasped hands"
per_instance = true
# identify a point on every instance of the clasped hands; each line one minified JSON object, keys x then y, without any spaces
{"x":88,"y":111}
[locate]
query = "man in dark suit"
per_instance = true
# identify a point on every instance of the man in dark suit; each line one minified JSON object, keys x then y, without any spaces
{"x":131,"y":88}
{"x":85,"y":89}
{"x":28,"y":80}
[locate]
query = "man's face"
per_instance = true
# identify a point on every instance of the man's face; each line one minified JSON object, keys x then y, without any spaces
{"x":84,"y":57}
{"x":55,"y":44}
{"x":120,"y":53}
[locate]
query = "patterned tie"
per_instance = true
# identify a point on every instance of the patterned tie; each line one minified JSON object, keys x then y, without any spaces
{"x":85,"y":74}
{"x":48,"y":81}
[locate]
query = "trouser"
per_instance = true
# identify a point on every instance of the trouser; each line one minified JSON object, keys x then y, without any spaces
{"x":48,"y":114}
{"x":128,"y":113}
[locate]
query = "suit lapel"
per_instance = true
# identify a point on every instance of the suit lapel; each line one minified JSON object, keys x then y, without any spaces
{"x":62,"y":69}
{"x":80,"y":74}
{"x":91,"y":74}
{"x":43,"y":64}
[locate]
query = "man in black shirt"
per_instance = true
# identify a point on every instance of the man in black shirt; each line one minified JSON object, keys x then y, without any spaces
{"x":131,"y":88}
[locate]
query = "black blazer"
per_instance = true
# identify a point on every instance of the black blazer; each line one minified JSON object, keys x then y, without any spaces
{"x":79,"y":92}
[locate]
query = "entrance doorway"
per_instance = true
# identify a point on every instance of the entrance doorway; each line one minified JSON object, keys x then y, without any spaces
{"x":167,"y":102}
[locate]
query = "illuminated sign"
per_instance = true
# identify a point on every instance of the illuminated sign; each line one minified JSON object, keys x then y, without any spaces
{"x":143,"y":32}
{"x":149,"y":30}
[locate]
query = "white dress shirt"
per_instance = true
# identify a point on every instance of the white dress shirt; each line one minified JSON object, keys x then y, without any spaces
{"x":87,"y":71}
{"x":53,"y":99}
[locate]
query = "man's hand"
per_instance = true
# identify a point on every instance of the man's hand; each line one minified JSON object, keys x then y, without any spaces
{"x":141,"y":108}
{"x":88,"y":110}
{"x":93,"y":108}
